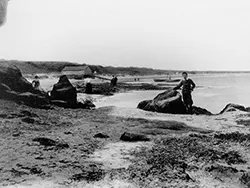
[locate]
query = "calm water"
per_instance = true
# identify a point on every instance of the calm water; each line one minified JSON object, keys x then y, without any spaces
{"x":213,"y":92}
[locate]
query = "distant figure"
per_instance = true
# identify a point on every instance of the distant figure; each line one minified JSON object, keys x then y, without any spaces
{"x":36,"y":83}
{"x":187,"y":87}
{"x":113,"y":82}
{"x":88,"y":86}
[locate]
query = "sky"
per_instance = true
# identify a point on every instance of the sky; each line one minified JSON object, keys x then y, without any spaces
{"x":164,"y":34}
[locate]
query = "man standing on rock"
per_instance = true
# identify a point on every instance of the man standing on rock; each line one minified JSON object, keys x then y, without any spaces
{"x":187,"y":87}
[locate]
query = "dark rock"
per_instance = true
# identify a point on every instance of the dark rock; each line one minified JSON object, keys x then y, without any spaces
{"x":68,"y":132}
{"x":27,"y":113}
{"x":49,"y":142}
{"x":64,"y":91}
{"x":13,"y":86}
{"x":101,"y":135}
{"x":201,"y":111}
{"x":131,"y":137}
{"x":28,"y":120}
{"x":11,"y":79}
{"x":45,"y":141}
{"x":233,"y":107}
{"x":89,"y":175}
{"x":16,"y":134}
{"x":142,"y":105}
{"x":87,"y":104}
{"x":169,"y":101}
{"x":64,"y":94}
{"x":39,"y":158}
{"x":36,"y":170}
{"x":33,"y":100}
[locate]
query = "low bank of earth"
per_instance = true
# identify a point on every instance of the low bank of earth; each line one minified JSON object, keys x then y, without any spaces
{"x":63,"y":148}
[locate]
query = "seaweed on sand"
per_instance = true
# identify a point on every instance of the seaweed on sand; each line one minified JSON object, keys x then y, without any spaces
{"x":171,"y":159}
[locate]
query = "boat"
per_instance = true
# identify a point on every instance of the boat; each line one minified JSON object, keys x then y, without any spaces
{"x":167,"y":80}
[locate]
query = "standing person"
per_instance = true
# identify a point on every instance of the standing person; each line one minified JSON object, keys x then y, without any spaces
{"x":115,"y":81}
{"x":187,"y":87}
{"x":112,"y":81}
{"x":88,"y":86}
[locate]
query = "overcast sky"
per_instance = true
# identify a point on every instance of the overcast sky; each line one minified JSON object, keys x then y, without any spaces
{"x":167,"y":34}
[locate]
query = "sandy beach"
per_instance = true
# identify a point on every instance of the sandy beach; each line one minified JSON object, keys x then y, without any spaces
{"x":83,"y":148}
{"x":124,"y":94}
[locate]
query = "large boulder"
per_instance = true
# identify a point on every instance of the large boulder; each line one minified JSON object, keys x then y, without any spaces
{"x":64,"y":91}
{"x":64,"y":94}
{"x":13,"y":86}
{"x":11,"y":78}
{"x":169,"y":101}
{"x":233,"y":107}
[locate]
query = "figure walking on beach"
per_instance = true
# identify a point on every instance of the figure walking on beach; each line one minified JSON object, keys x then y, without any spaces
{"x":187,"y":87}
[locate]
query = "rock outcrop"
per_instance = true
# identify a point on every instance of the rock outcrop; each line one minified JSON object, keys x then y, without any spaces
{"x":64,"y":94}
{"x":13,"y":86}
{"x":233,"y":107}
{"x":64,"y":91}
{"x":169,"y":101}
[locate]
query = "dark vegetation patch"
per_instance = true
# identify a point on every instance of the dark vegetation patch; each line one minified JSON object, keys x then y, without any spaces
{"x":233,"y":137}
{"x":28,"y":120}
{"x":221,"y":169}
{"x":132,"y":137}
{"x":243,"y":122}
{"x":245,"y":179}
{"x":171,"y":159}
{"x":90,"y":174}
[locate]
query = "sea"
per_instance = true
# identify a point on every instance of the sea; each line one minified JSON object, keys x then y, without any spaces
{"x":213,"y":92}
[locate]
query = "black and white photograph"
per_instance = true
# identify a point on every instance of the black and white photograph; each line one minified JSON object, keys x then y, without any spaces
{"x":124,"y":94}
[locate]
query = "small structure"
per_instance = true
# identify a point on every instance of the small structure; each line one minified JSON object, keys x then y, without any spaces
{"x":82,"y":71}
